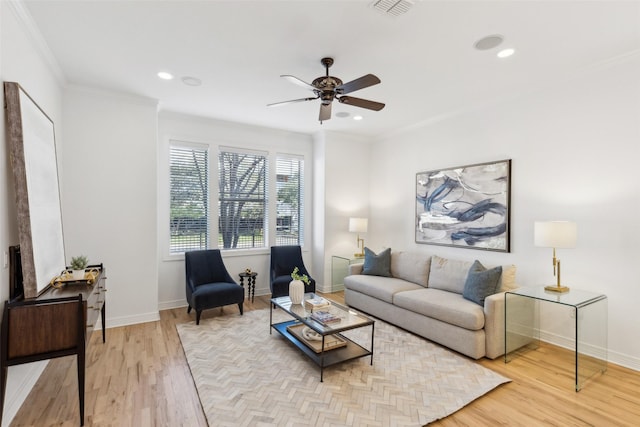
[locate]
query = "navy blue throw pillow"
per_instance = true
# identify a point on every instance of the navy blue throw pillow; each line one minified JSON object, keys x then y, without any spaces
{"x":481,"y":283}
{"x":377,"y":265}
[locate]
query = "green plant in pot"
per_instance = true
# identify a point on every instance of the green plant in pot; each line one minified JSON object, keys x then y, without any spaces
{"x":78,"y":265}
{"x":296,"y":286}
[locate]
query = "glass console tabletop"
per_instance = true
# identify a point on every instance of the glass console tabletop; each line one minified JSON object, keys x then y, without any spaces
{"x":584,"y":317}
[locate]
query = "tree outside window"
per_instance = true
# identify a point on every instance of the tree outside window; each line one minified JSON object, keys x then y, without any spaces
{"x":242,"y":200}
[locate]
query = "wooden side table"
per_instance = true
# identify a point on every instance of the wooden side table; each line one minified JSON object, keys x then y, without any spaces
{"x":251,"y":283}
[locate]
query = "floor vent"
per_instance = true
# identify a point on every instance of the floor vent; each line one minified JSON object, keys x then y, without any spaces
{"x":393,"y":7}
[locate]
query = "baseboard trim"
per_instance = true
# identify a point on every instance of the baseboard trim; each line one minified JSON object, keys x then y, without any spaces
{"x":168,"y":305}
{"x":114,"y":322}
{"x":612,"y":356}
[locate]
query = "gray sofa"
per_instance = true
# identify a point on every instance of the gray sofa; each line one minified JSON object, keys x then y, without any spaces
{"x":424,"y":295}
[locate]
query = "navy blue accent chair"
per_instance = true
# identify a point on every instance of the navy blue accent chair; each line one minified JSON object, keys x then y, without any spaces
{"x":283,"y":260}
{"x":208,"y":283}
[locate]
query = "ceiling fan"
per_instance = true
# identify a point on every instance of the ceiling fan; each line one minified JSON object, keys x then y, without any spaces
{"x":327,"y":88}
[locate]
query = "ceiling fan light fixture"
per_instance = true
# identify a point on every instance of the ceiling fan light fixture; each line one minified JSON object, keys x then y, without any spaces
{"x":329,"y":88}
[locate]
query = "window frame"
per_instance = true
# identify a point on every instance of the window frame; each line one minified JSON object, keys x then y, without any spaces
{"x":272,"y":150}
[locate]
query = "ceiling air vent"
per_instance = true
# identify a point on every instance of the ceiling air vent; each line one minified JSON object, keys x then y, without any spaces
{"x":393,"y":7}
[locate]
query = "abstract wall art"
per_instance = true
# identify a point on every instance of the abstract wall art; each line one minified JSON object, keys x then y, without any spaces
{"x":465,"y":206}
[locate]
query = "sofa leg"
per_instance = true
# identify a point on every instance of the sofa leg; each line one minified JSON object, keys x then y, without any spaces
{"x":241,"y":308}
{"x":198,"y":313}
{"x":189,"y":309}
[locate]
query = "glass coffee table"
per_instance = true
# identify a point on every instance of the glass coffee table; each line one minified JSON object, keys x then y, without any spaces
{"x":322,"y":342}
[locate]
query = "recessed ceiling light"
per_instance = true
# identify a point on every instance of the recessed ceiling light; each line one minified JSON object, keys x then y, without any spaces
{"x":342,"y":114}
{"x":505,"y":53}
{"x":191,"y":81}
{"x":357,"y":117}
{"x":165,"y":76}
{"x":489,"y":42}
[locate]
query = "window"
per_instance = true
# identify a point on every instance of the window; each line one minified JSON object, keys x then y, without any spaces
{"x":189,"y":195}
{"x":260,"y":198}
{"x":242,"y":200}
{"x":290,"y":193}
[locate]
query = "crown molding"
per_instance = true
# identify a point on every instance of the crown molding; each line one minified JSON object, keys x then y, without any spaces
{"x":28,"y":24}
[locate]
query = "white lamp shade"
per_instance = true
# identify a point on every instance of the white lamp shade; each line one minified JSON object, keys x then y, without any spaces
{"x":555,"y":234}
{"x":358,"y":225}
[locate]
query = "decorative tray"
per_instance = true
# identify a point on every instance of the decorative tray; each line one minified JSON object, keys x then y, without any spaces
{"x":330,"y":341}
{"x":66,"y":278}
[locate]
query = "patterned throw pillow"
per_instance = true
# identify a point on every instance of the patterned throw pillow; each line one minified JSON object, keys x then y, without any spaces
{"x":481,"y":283}
{"x":377,"y":265}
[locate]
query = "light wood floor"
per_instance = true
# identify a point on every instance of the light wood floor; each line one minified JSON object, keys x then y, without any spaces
{"x":140,"y":377}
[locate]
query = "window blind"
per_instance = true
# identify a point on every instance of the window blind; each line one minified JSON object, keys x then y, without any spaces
{"x":189,"y":195}
{"x":290,"y":202}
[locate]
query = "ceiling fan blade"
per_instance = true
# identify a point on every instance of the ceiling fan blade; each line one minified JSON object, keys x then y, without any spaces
{"x":297,"y":81}
{"x":363,"y":103}
{"x":293,"y":101}
{"x":357,"y":84}
{"x":325,"y":112}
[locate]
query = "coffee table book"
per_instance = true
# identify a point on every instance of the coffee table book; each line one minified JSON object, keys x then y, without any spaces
{"x":330,"y":341}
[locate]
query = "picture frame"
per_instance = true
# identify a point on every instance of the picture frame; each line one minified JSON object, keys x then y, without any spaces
{"x":465,"y":206}
{"x":32,"y":151}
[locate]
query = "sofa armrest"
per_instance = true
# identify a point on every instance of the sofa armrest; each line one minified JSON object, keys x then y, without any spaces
{"x":355,"y":268}
{"x":494,"y":325}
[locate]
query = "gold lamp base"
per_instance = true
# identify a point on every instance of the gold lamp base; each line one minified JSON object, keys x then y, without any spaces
{"x":358,"y":255}
{"x":554,"y":288}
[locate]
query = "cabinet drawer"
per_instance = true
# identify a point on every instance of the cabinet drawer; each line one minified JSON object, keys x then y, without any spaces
{"x":95,"y":301}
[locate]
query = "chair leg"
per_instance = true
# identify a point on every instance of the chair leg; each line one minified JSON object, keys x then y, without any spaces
{"x":198,"y":313}
{"x":241,"y":308}
{"x":189,"y":309}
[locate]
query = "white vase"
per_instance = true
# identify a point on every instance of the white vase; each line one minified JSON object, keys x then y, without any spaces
{"x":296,"y":291}
{"x":77,"y":274}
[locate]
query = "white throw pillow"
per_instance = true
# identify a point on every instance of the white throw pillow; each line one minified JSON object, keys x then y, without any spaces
{"x":508,"y":279}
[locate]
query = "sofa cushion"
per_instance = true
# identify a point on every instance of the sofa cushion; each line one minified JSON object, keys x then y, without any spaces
{"x":481,"y":282}
{"x":445,"y":306}
{"x":448,"y":274}
{"x":411,"y":266}
{"x":382,"y":288}
{"x":377,"y":265}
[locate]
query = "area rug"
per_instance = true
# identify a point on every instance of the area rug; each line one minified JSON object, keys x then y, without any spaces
{"x":248,"y":377}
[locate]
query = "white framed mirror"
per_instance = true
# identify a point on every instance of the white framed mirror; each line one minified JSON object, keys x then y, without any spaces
{"x":32,"y":150}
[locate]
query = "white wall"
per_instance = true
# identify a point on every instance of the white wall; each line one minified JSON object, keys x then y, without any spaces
{"x":171,"y":285}
{"x":109,"y":198}
{"x":22,"y":61}
{"x":345,"y":172}
{"x":576,"y":151}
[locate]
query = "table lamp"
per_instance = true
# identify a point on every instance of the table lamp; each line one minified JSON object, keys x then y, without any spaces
{"x":555,"y":234}
{"x":358,"y":225}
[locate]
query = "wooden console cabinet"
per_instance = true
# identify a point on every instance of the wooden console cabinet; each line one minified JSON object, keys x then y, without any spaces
{"x":57,"y":323}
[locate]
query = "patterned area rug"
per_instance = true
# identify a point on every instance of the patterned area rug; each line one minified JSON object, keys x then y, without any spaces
{"x":247,"y":377}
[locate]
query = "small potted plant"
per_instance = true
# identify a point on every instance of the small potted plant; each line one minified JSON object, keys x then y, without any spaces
{"x":78,"y":264}
{"x":296,"y":286}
